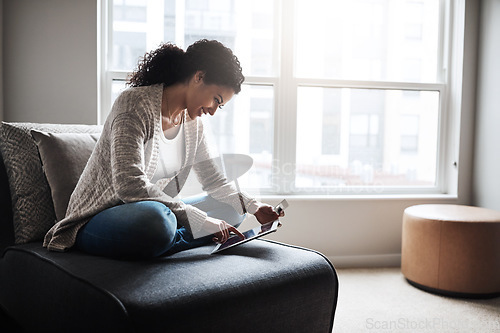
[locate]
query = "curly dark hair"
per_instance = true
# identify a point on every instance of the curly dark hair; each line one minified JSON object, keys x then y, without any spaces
{"x":169,"y":64}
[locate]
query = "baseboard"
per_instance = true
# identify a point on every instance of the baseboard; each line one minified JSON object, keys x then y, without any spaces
{"x":365,"y":261}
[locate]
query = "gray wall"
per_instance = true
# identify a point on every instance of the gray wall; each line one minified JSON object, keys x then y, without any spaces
{"x":486,"y":175}
{"x":50,"y":61}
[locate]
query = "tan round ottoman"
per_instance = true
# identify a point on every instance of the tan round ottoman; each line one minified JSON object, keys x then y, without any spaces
{"x":452,"y":250}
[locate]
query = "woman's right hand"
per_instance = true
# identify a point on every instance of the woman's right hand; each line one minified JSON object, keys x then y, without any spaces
{"x":220,"y":229}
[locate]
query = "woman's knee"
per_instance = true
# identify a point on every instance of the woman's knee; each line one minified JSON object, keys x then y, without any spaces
{"x":157,"y":229}
{"x":138,"y":229}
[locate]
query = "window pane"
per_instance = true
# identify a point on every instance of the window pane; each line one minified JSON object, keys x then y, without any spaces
{"x":368,"y":39}
{"x":247,"y":27}
{"x":245,"y":126}
{"x":117,"y":86}
{"x":130,"y":33}
{"x":382,"y":138}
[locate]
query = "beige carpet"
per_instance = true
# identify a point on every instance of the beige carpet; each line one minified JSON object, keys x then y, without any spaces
{"x":380,"y":300}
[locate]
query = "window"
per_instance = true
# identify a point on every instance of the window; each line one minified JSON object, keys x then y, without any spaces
{"x":339,"y":95}
{"x":409,"y":133}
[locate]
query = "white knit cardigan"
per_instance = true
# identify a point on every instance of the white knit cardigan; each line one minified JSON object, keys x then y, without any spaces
{"x":124,"y":161}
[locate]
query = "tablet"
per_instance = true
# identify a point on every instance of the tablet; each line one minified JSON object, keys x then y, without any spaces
{"x":249,"y":235}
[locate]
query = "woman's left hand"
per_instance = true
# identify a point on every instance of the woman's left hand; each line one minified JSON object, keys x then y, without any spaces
{"x":266,"y":213}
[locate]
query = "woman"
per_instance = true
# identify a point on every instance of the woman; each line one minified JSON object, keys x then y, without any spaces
{"x":123,"y":204}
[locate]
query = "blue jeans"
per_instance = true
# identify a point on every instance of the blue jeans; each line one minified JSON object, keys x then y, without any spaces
{"x":147,"y":229}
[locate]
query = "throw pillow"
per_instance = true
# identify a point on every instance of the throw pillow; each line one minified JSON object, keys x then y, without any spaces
{"x":32,"y":207}
{"x":63,"y":156}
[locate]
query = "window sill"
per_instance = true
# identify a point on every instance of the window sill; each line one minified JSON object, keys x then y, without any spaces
{"x":356,"y":197}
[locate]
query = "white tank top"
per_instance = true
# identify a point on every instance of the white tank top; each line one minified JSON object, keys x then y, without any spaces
{"x":172,"y":151}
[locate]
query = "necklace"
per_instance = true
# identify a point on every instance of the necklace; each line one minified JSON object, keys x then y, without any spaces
{"x":172,"y":121}
{"x":175,"y":124}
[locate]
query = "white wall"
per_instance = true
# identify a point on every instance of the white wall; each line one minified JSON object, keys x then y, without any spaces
{"x":352,"y":232}
{"x":50,"y":75}
{"x":50,"y":61}
{"x":486,"y":179}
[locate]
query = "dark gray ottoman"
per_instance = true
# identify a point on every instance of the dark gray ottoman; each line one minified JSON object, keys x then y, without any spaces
{"x":261,"y":286}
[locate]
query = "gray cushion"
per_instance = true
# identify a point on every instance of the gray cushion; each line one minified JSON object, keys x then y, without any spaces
{"x":6,"y":227}
{"x":260,"y":286}
{"x":64,"y":156}
{"x":32,"y":208}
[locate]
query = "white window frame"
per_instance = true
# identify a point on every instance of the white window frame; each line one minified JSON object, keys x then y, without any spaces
{"x":285,"y":85}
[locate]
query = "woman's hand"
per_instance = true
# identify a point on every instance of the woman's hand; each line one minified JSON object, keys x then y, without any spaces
{"x":220,"y":229}
{"x":265,"y":213}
